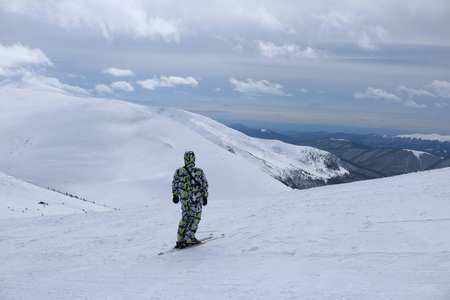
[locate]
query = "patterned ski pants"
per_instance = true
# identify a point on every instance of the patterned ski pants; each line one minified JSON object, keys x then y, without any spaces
{"x":191,"y":213}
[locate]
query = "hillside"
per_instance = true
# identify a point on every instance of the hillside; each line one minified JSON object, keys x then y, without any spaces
{"x":107,"y":151}
{"x":375,"y":239}
{"x":118,"y":153}
{"x":370,"y":156}
{"x":20,"y":199}
{"x":383,"y":161}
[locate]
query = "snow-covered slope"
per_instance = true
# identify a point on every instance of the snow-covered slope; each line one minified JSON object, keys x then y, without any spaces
{"x":121,"y":154}
{"x":111,"y":152}
{"x":23,"y":199}
{"x":377,"y":239}
{"x":280,"y":160}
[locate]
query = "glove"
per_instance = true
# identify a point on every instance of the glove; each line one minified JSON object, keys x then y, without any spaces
{"x":205,"y":201}
{"x":175,"y":199}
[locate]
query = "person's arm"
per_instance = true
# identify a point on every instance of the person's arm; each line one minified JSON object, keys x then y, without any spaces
{"x":204,"y":188}
{"x":175,"y":183}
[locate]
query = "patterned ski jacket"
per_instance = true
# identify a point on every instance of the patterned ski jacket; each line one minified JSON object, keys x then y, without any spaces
{"x":184,"y":186}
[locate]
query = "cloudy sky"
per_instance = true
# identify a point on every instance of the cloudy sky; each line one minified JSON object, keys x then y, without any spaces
{"x":371,"y":64}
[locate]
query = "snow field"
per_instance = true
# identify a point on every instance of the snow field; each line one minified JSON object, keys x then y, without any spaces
{"x":379,"y":239}
{"x":22,"y":199}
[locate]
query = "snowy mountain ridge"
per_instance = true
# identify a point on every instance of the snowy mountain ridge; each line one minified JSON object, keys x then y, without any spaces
{"x":430,"y":137}
{"x":274,"y":157}
{"x":121,"y":154}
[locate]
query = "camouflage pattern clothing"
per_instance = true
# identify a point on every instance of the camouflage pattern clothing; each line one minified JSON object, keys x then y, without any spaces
{"x":192,"y":193}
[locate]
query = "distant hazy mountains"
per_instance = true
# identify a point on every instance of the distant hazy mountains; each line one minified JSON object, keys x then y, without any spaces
{"x":384,"y":161}
{"x":372,"y":156}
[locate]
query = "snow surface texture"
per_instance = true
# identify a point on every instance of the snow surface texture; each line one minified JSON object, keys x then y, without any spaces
{"x":379,"y":239}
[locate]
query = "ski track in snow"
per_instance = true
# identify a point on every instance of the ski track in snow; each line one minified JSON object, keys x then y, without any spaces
{"x":379,"y":239}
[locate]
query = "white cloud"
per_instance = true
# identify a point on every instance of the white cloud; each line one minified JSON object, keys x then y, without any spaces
{"x":441,"y":88}
{"x":150,"y":84}
{"x":349,"y":25}
{"x":123,"y":86}
{"x":412,"y":103}
{"x":365,"y":43}
{"x":436,"y":89}
{"x":414,"y":92}
{"x":264,"y":18}
{"x":254,"y":87}
{"x":368,"y":35}
{"x":271,"y":50}
{"x":53,"y":82}
{"x":76,"y":76}
{"x":167,"y":81}
{"x":310,"y":53}
{"x":268,"y":49}
{"x":378,"y":94}
{"x":310,"y":19}
{"x":112,"y":17}
{"x":334,"y":21}
{"x":103,"y":88}
{"x":118,"y":72}
{"x":15,"y":57}
{"x":237,"y":44}
{"x":379,"y":31}
{"x":118,"y":85}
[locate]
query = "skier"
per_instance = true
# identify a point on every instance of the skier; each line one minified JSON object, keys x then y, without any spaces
{"x":189,"y":186}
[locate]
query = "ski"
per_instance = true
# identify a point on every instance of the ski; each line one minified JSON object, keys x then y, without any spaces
{"x":202,"y":241}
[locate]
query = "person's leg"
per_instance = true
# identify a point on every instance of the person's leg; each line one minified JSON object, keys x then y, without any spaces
{"x":195,"y":215}
{"x":183,"y":225}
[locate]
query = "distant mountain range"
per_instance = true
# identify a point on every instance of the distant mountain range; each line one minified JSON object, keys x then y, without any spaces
{"x":384,"y":161}
{"x":377,"y":155}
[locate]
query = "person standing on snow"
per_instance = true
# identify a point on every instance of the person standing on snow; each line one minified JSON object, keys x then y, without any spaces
{"x":189,"y":186}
